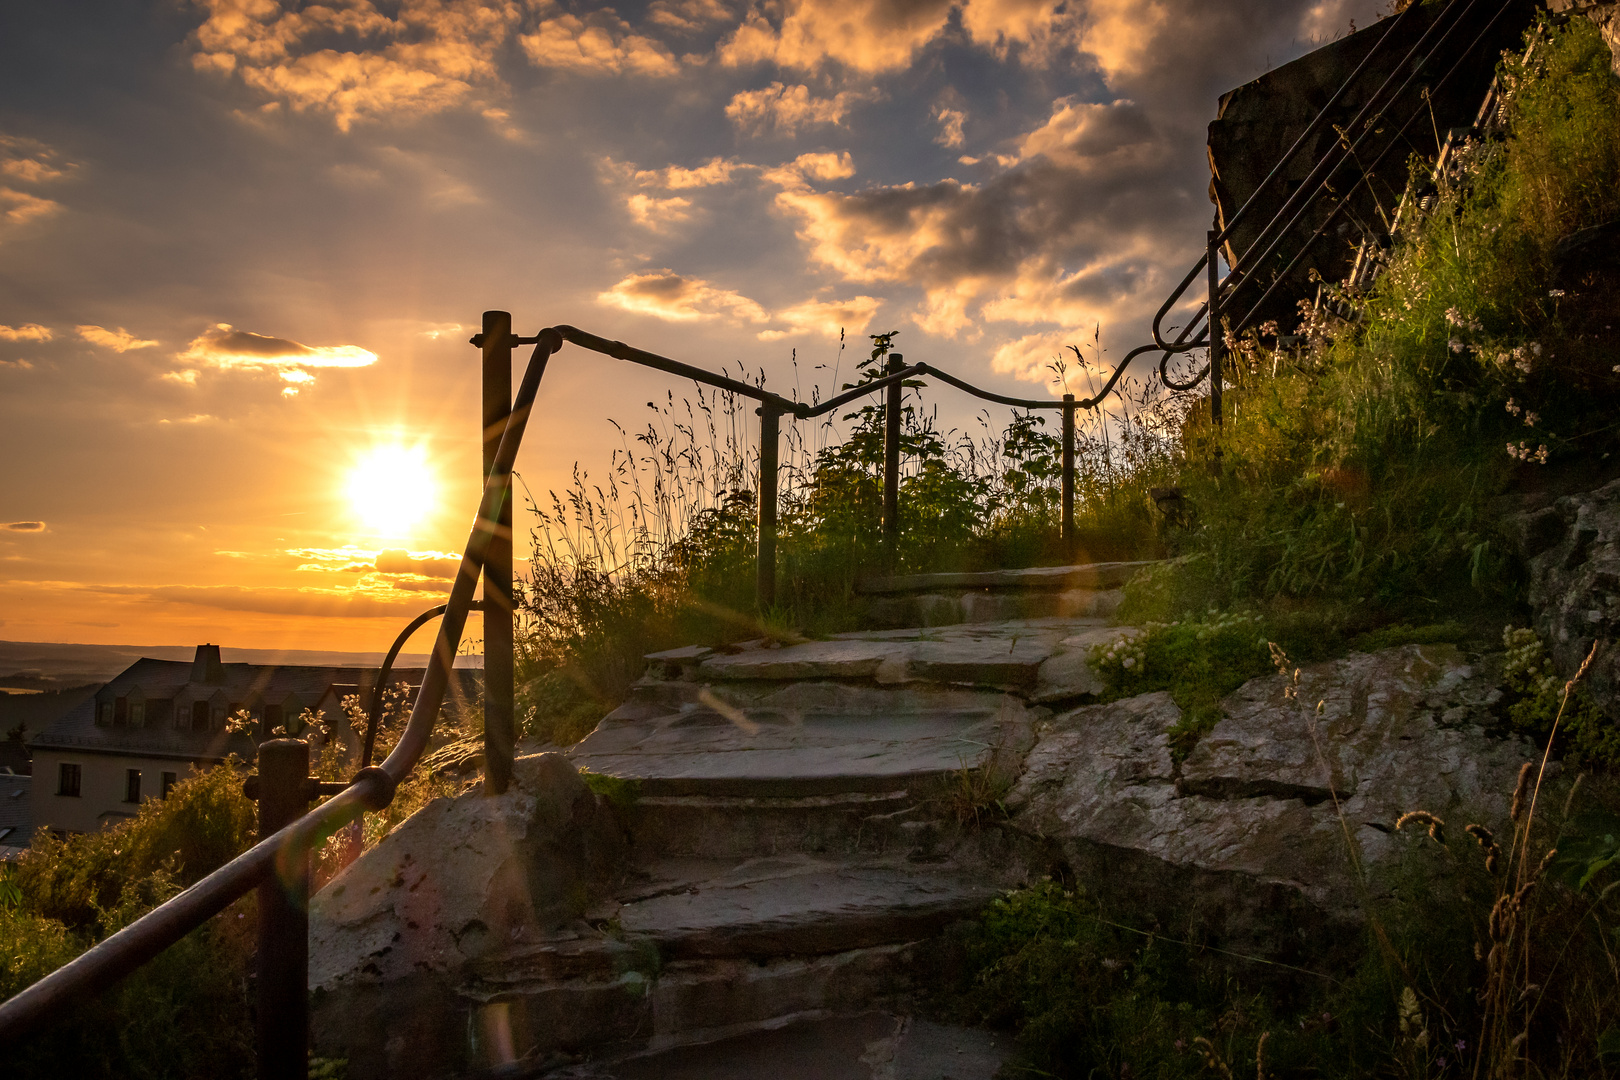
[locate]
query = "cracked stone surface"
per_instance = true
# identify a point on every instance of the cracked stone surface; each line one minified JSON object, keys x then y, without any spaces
{"x":1246,"y":831}
{"x":1572,"y":549}
{"x":1042,"y":657}
{"x":806,"y":739}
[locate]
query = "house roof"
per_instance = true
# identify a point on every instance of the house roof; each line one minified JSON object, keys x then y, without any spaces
{"x":242,"y":683}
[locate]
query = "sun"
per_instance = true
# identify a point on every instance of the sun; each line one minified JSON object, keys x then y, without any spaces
{"x":392,"y":488}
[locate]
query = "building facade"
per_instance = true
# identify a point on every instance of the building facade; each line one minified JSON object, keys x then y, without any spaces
{"x":160,"y":720}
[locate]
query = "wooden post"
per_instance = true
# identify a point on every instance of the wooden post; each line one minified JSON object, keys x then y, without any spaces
{"x":500,"y":729}
{"x":1068,"y":477}
{"x":765,"y":580}
{"x":891,"y":461}
{"x":283,"y":791}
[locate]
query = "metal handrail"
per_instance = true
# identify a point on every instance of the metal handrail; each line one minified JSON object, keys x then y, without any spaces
{"x":371,"y":789}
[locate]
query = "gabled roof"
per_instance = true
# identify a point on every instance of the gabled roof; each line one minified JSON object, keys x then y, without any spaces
{"x":166,"y":679}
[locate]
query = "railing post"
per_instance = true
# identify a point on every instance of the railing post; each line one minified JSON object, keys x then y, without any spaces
{"x":1217,"y":342}
{"x":765,"y":587}
{"x":500,"y":730}
{"x":891,"y":460}
{"x":283,"y":791}
{"x":1068,"y":476}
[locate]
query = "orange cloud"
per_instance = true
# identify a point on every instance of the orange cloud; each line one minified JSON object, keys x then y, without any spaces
{"x":428,"y":56}
{"x":119,"y":340}
{"x":787,"y":109}
{"x":24,"y":526}
{"x":665,"y":294}
{"x":600,"y":43}
{"x":825,"y":317}
{"x":25,"y":332}
{"x":229,"y":349}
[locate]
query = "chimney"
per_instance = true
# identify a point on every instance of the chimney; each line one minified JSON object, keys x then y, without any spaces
{"x":206,"y":668}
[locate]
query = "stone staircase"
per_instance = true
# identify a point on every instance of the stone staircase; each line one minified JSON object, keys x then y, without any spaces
{"x":785,"y":830}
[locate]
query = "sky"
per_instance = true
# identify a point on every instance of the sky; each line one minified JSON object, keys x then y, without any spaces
{"x":243,"y":244}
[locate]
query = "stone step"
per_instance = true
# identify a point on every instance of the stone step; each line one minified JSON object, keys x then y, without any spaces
{"x":794,"y":904}
{"x":700,"y":950}
{"x":1090,"y":590}
{"x":866,"y":1046}
{"x":730,"y":826}
{"x":806,"y":739}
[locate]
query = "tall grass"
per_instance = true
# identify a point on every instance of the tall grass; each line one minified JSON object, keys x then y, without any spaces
{"x":659,"y":550}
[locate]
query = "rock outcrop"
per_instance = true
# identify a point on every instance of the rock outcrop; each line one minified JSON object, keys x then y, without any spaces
{"x":1270,"y":835}
{"x":1572,"y":552}
{"x":1604,"y":13}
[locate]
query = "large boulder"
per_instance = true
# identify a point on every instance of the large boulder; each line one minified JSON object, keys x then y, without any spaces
{"x":1572,"y":552}
{"x":392,"y":936}
{"x":1271,"y":835}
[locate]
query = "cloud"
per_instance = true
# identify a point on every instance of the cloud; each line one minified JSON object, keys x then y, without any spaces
{"x":229,"y":349}
{"x":25,"y":332}
{"x":950,"y":127}
{"x":687,"y":16}
{"x":317,"y":603}
{"x":20,"y":208}
{"x":1060,"y":237}
{"x":194,"y":418}
{"x":825,"y":317}
{"x":354,"y":61}
{"x":30,"y":161}
{"x":869,"y":36}
{"x":788,"y":109}
{"x":187,"y":377}
{"x":665,"y":294}
{"x":658,"y":213}
{"x":600,"y":43}
{"x":430,"y":564}
{"x":24,"y":526}
{"x":119,"y":340}
{"x":819,"y":165}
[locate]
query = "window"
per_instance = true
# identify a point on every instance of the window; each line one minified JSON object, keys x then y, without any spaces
{"x":272,"y":718}
{"x":132,"y":785}
{"x":67,"y":780}
{"x":199,"y":716}
{"x":169,"y":779}
{"x":121,"y":711}
{"x":137,"y":713}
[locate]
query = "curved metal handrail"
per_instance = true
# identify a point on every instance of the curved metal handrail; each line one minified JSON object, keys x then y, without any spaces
{"x":371,"y":789}
{"x":374,"y":711}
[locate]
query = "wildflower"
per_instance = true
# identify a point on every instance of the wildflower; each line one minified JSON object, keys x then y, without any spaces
{"x":1530,"y":419}
{"x":1456,"y":344}
{"x":1513,"y":407}
{"x":1556,"y":293}
{"x":1130,"y":662}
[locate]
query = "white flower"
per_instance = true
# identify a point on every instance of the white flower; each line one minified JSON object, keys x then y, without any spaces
{"x":1556,"y":293}
{"x":1130,"y":662}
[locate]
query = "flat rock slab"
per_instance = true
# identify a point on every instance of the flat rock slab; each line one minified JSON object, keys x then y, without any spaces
{"x":870,"y":1046}
{"x":807,"y":739}
{"x":1006,"y":655}
{"x":800,"y":905}
{"x":1106,"y":575}
{"x":1248,"y":829}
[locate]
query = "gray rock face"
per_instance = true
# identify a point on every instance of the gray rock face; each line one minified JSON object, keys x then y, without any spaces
{"x":458,"y":881}
{"x":1604,"y":13}
{"x":1572,"y":549}
{"x":1244,"y":837}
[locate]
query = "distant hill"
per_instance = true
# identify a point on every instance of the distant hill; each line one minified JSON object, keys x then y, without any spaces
{"x":67,"y":665}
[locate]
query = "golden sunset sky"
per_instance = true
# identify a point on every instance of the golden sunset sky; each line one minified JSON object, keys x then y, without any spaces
{"x":243,"y":244}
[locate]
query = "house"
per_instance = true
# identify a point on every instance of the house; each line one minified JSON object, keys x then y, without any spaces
{"x":158,"y":720}
{"x":16,"y":813}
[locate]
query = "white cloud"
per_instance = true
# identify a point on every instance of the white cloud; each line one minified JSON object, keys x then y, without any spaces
{"x":119,"y":340}
{"x":665,"y":294}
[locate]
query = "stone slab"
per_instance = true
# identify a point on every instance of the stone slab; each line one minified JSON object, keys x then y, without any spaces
{"x":1249,"y":829}
{"x":809,"y":739}
{"x":1105,"y":575}
{"x":1006,"y":655}
{"x":868,"y":1046}
{"x":802,"y":905}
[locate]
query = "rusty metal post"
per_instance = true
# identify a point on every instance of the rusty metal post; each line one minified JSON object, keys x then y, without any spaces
{"x":283,"y":791}
{"x":500,"y":728}
{"x":891,"y":460}
{"x":769,"y":430}
{"x":1068,"y":476}
{"x":1217,"y":342}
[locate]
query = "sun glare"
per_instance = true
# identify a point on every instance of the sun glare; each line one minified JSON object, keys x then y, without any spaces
{"x":391,"y":489}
